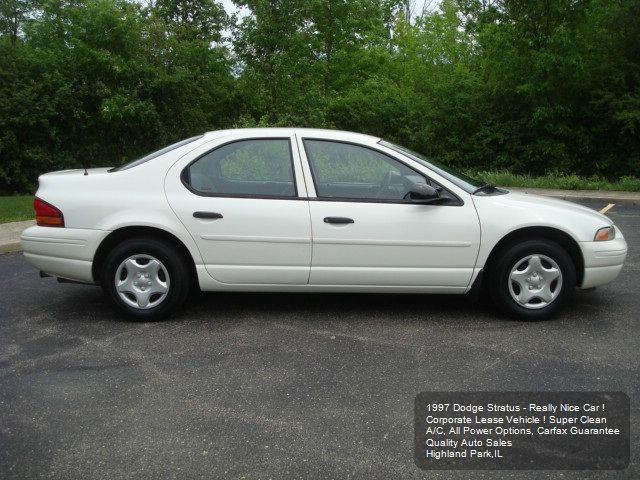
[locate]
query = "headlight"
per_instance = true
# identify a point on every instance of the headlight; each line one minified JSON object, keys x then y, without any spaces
{"x":604,"y":234}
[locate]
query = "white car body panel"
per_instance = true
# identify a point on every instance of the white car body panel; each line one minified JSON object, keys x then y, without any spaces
{"x":66,"y":252}
{"x":284,"y":244}
{"x":257,"y":241}
{"x":418,"y":245}
{"x":603,"y":261}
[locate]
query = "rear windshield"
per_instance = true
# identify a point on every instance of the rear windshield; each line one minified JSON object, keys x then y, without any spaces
{"x":157,"y":153}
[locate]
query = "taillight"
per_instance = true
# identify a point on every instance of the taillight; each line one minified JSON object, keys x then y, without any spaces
{"x":46,"y":214}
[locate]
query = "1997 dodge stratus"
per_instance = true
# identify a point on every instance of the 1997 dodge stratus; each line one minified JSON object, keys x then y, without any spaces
{"x":298,"y":210}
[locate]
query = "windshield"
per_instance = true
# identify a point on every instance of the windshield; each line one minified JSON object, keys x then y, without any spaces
{"x":468,"y":184}
{"x":157,"y":153}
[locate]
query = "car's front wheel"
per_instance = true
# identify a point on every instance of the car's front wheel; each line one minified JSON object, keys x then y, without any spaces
{"x":531,"y":279}
{"x":145,"y":278}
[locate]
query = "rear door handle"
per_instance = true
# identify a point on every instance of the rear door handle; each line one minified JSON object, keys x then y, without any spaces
{"x":212,"y":215}
{"x":338,"y":220}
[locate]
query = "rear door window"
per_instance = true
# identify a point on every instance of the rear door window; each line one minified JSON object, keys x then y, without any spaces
{"x":254,"y":168}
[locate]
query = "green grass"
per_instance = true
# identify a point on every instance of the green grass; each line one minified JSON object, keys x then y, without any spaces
{"x":558,"y":181}
{"x":16,"y":209}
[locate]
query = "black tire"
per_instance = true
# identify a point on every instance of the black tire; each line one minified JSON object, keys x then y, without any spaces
{"x":499,"y":279}
{"x":172,"y":261}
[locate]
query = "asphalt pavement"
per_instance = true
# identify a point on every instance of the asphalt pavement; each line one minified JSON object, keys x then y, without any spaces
{"x":261,"y":386}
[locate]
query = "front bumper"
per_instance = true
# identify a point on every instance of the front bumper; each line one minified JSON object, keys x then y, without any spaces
{"x":62,"y":252}
{"x":603,"y":260}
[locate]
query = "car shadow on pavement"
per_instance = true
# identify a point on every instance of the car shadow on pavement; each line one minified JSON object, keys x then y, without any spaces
{"x":342,"y":306}
{"x":87,"y":304}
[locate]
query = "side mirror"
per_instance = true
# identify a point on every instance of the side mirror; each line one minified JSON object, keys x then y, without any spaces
{"x":422,"y":193}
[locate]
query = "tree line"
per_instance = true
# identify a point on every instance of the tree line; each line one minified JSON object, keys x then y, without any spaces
{"x":530,"y":86}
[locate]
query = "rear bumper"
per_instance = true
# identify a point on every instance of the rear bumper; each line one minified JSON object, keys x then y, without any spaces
{"x":62,"y":252}
{"x":603,"y":260}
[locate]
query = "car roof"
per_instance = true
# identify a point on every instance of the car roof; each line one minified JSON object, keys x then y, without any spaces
{"x":305,"y":132}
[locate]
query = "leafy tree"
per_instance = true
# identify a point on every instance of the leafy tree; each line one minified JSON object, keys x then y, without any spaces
{"x":98,"y":82}
{"x":193,"y":19}
{"x":13,"y":16}
{"x":531,"y":86}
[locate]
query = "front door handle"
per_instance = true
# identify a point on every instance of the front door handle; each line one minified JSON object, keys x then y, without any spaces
{"x":338,"y":220}
{"x":211,"y":215}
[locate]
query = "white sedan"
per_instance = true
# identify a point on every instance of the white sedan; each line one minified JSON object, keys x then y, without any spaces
{"x":301,"y":210}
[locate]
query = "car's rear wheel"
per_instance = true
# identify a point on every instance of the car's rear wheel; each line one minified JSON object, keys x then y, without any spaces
{"x":145,"y":278}
{"x":532,"y":279}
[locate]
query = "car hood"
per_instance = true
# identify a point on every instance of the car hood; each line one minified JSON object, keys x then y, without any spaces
{"x":501,"y":214}
{"x":538,"y":201}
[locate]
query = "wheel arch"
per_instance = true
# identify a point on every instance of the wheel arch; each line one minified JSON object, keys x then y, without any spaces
{"x":561,"y":237}
{"x":124,"y":233}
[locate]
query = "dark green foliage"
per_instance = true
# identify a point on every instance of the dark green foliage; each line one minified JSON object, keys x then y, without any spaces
{"x":99,"y":82}
{"x":536,"y":87}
